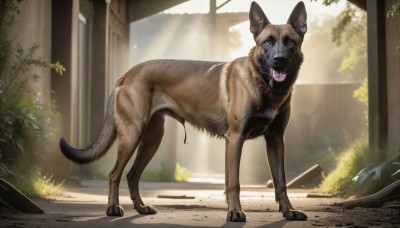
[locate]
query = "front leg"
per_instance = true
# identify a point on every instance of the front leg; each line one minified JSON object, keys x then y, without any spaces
{"x":276,"y":154}
{"x":234,"y":144}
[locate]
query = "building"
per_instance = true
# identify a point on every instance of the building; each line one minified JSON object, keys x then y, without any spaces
{"x":90,"y":38}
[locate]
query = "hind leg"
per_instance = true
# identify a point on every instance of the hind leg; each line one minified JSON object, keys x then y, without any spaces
{"x":148,"y":146}
{"x":131,"y":119}
{"x":128,"y":142}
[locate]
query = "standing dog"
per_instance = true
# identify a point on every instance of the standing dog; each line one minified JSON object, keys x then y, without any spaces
{"x":238,"y":100}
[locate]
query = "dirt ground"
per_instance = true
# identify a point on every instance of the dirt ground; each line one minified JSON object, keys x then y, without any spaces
{"x":85,"y":206}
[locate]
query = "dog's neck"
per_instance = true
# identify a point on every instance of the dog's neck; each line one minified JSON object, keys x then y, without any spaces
{"x":267,"y":84}
{"x":264,"y":87}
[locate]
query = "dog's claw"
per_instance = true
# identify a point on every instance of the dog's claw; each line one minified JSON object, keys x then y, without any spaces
{"x":296,"y":215}
{"x":115,"y":210}
{"x":146,"y":210}
{"x":236,"y":216}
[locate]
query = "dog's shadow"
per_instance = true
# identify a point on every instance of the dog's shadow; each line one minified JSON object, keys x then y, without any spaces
{"x":129,"y":221}
{"x":281,"y":223}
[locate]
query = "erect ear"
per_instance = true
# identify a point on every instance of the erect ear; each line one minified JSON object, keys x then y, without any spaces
{"x":258,"y":20}
{"x":298,"y":19}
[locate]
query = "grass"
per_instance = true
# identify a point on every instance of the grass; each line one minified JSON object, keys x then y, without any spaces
{"x":181,"y":173}
{"x":349,"y":163}
{"x":36,"y":185}
{"x":45,"y":187}
{"x":163,"y":174}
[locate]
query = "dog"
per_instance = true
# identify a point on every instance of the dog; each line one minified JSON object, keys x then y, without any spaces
{"x":243,"y":99}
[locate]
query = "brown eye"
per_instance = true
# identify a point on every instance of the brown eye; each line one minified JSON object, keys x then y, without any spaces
{"x":269,"y":41}
{"x":289,"y":41}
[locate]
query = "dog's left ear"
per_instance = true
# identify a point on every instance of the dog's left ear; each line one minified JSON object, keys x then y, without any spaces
{"x":298,"y":19}
{"x":258,"y":20}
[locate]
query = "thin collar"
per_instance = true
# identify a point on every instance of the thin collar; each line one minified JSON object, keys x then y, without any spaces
{"x":264,"y":87}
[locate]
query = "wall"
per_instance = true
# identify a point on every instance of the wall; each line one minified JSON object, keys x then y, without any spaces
{"x":34,"y":26}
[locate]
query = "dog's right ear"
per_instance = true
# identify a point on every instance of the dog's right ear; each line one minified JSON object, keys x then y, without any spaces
{"x":258,"y":20}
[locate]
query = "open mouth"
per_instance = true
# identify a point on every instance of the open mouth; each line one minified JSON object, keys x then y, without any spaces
{"x":278,"y":75}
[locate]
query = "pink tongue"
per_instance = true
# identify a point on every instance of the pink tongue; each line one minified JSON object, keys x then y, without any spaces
{"x":278,"y":76}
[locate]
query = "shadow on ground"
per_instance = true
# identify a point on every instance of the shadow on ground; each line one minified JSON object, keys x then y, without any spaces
{"x":85,"y":207}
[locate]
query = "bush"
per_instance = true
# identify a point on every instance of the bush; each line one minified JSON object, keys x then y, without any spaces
{"x":25,"y":121}
{"x":350,"y":162}
{"x":355,"y":175}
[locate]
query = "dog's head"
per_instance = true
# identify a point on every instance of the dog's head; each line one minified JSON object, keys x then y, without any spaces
{"x":278,"y":47}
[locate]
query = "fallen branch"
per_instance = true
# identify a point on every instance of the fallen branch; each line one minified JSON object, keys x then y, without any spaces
{"x":383,"y":195}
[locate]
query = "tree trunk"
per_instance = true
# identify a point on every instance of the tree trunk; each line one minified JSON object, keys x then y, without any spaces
{"x":369,"y":201}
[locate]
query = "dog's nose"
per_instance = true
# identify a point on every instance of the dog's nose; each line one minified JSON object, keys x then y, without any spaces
{"x":280,"y":58}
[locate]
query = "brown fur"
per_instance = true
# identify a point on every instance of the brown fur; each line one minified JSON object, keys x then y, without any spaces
{"x":223,"y":99}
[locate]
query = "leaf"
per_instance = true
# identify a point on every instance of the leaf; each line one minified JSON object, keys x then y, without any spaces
{"x":370,"y":173}
{"x":18,"y":144}
{"x":4,"y":169}
{"x":8,"y":120}
{"x":31,"y":116}
{"x":396,"y":173}
{"x":58,"y":67}
{"x":395,"y":11}
{"x":377,"y":172}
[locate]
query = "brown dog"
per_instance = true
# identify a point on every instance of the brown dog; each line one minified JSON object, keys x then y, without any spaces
{"x":238,"y":100}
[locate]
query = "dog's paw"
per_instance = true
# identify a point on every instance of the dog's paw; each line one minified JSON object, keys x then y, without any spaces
{"x":236,"y":216}
{"x":296,"y":215}
{"x":115,"y":210}
{"x":146,"y":210}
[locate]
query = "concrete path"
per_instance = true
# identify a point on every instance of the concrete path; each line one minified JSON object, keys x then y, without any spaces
{"x":85,"y":207}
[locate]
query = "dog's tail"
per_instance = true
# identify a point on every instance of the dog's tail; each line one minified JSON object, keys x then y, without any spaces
{"x":98,"y":148}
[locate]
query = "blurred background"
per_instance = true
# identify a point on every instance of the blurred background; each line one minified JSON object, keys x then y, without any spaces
{"x":93,"y":43}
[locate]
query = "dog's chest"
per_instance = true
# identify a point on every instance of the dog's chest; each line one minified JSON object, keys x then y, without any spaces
{"x":259,"y":118}
{"x":257,"y":123}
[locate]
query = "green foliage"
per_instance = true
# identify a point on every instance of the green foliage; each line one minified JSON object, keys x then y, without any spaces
{"x":7,"y":6}
{"x":351,"y":28}
{"x":45,"y":186}
{"x":351,"y":161}
{"x":361,"y":94}
{"x":328,"y":2}
{"x":23,"y":114}
{"x":35,"y":185}
{"x":376,"y":176}
{"x":25,"y":120}
{"x":395,"y":11}
{"x":181,"y":173}
{"x":356,"y":175}
{"x":164,"y":174}
{"x":343,"y":22}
